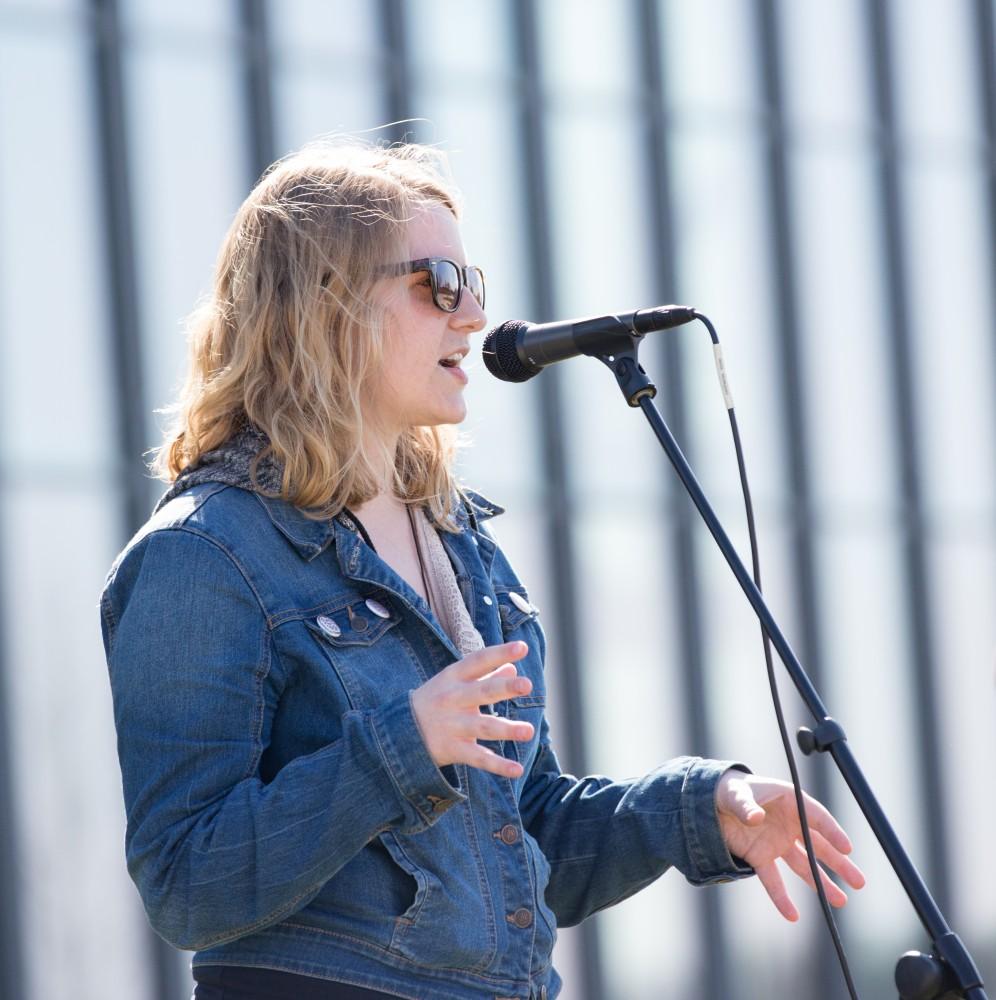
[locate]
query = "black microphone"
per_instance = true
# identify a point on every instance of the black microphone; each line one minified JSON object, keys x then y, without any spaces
{"x":516,"y":350}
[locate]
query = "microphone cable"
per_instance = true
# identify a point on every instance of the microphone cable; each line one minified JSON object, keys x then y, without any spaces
{"x":814,"y":867}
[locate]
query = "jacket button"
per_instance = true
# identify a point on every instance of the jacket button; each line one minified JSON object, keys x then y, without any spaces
{"x":328,"y":626}
{"x":509,"y":833}
{"x":487,"y":600}
{"x":520,"y":602}
{"x":522,"y":917}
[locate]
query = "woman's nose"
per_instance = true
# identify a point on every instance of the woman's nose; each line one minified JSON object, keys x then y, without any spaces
{"x":470,"y":315}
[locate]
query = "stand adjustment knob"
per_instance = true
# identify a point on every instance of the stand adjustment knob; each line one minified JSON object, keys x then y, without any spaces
{"x":920,"y":977}
{"x":828,"y":732}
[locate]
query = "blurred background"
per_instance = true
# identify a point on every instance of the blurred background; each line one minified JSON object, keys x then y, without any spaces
{"x":816,"y":175}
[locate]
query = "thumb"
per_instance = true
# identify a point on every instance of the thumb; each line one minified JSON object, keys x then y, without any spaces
{"x":743,"y":804}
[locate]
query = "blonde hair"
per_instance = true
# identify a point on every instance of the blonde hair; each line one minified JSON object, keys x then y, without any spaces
{"x":291,"y":339}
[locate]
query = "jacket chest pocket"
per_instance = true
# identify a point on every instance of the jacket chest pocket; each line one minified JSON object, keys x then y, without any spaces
{"x":365,"y":648}
{"x":520,"y":620}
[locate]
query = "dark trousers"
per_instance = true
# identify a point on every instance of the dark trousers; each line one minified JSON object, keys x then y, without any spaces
{"x":230,"y":982}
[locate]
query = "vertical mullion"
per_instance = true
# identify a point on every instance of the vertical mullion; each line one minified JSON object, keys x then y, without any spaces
{"x":714,"y":971}
{"x":258,"y":87}
{"x":985,"y":34}
{"x":12,"y":981}
{"x":919,"y":610}
{"x":125,"y":322}
{"x":795,"y":418}
{"x":397,"y":68}
{"x":557,"y":503}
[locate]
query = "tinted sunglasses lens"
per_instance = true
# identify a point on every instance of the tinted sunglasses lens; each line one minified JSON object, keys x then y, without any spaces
{"x":447,"y":285}
{"x":475,"y":282}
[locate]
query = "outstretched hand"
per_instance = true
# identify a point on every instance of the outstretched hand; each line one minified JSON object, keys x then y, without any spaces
{"x":760,"y":823}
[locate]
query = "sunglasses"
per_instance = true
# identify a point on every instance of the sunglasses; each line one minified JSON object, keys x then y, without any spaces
{"x":448,"y":280}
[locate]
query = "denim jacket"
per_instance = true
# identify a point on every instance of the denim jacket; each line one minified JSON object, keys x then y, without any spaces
{"x":283,"y":810}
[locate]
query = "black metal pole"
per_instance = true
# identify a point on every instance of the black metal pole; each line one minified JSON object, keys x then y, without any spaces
{"x":829,"y":736}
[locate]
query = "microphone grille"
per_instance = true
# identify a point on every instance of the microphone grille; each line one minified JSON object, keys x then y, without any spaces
{"x":500,"y":356}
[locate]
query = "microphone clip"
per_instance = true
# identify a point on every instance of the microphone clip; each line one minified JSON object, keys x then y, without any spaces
{"x":633,"y":380}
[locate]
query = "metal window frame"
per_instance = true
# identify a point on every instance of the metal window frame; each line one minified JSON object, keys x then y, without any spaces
{"x":557,"y":502}
{"x":125,"y":333}
{"x":918,"y":604}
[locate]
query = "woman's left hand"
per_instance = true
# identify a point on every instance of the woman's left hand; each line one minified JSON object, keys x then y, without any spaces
{"x":760,"y":823}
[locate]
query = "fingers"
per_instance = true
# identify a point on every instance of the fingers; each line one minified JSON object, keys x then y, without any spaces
{"x":798,"y":861}
{"x":491,"y":727}
{"x":486,"y":759}
{"x":770,"y":877}
{"x":821,"y":821}
{"x":484,"y":661}
{"x":835,"y":860}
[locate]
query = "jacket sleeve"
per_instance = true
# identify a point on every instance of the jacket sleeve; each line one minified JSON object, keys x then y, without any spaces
{"x":606,"y":840}
{"x":217,"y":853}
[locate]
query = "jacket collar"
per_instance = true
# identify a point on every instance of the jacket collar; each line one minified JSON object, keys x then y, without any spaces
{"x":310,"y":538}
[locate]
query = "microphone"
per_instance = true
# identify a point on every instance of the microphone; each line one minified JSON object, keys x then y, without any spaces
{"x":516,"y":350}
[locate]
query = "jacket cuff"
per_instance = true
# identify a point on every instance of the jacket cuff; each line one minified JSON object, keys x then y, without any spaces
{"x":711,"y":860}
{"x":424,"y":789}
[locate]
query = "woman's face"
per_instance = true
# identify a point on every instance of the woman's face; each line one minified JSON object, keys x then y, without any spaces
{"x":414,"y":389}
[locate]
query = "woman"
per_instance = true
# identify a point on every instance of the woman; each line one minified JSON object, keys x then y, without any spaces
{"x":328,"y":680}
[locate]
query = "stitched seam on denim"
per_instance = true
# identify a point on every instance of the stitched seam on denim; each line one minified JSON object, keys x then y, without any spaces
{"x":503,"y":983}
{"x":272,"y":918}
{"x":689,"y":824}
{"x":404,"y":921}
{"x":260,"y":675}
{"x":482,"y":879}
{"x":299,"y":614}
{"x":110,"y":619}
{"x":390,"y":773}
{"x":196,"y":533}
{"x":381,"y":626}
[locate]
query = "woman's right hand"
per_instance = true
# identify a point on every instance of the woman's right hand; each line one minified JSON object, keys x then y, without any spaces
{"x":447,"y":709}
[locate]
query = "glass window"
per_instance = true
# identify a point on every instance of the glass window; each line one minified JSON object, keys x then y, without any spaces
{"x":722,"y":263}
{"x":448,"y":37}
{"x":310,"y":104}
{"x":634,"y":714}
{"x":77,"y":896}
{"x":588,"y":46}
{"x":951,"y":328}
{"x":189,"y":175}
{"x":54,"y":353}
{"x":867,"y":688}
{"x":934,"y":55}
{"x":963,"y":583}
{"x":601,"y":264}
{"x":185,"y":15}
{"x":709,"y":49}
{"x":349,"y":28}
{"x":844,"y":334}
{"x":826,"y":82}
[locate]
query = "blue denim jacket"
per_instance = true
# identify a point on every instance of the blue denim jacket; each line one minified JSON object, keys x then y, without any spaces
{"x":283,"y":810}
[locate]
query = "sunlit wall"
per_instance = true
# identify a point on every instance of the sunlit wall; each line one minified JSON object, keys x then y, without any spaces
{"x":817,"y":177}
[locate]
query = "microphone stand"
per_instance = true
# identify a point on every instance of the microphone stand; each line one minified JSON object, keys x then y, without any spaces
{"x":949,"y":970}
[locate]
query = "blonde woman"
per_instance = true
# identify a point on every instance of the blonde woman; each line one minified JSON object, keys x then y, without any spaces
{"x":328,"y":679}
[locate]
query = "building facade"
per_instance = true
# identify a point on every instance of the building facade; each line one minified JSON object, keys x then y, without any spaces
{"x":817,"y":177}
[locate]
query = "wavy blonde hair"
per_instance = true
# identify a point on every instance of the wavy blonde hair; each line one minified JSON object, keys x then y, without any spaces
{"x":291,"y":339}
